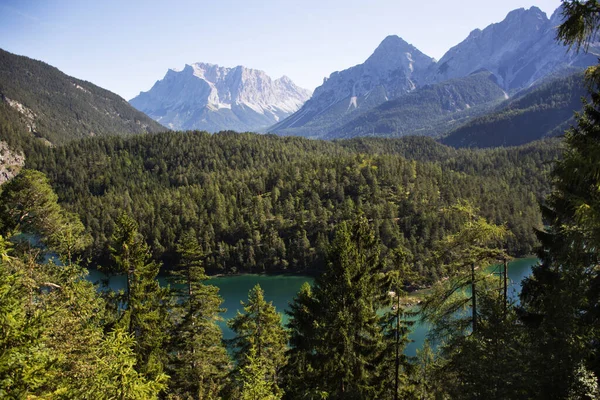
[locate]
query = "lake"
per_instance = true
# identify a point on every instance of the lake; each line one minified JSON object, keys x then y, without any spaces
{"x":281,"y":289}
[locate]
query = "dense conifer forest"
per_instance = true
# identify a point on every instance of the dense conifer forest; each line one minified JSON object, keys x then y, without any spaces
{"x":271,"y":204}
{"x":371,"y":218}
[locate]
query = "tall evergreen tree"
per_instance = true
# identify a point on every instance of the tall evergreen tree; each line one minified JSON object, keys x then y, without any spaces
{"x":300,"y":374}
{"x":260,"y":341}
{"x":145,"y":315}
{"x":343,"y":345}
{"x":199,"y":359}
{"x":561,"y":300}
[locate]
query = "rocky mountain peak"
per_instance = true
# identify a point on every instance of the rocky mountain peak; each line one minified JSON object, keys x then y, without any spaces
{"x":518,"y":50}
{"x":394,"y":53}
{"x":211,"y":97}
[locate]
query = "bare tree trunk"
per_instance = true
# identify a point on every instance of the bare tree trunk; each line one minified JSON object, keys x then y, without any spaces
{"x":474,"y":297}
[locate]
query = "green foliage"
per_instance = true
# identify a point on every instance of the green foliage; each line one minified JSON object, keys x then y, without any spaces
{"x":560,"y":299}
{"x":255,"y":378}
{"x":259,"y":345}
{"x":270,"y":204}
{"x":396,"y":327}
{"x":337,"y":332}
{"x":115,"y":376}
{"x":199,"y":360}
{"x":581,"y":24}
{"x":52,"y":320}
{"x":24,"y":359}
{"x":145,"y":311}
{"x":463,"y":258}
{"x":29,"y":205}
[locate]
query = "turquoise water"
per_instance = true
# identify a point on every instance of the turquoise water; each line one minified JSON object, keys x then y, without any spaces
{"x":517,"y":271}
{"x":281,"y":289}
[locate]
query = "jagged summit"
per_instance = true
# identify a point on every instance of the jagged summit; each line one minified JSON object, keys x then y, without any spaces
{"x":519,"y":50}
{"x":211,"y":97}
{"x":394,"y":69}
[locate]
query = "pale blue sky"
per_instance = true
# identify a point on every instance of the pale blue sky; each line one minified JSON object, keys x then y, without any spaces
{"x":125,"y":46}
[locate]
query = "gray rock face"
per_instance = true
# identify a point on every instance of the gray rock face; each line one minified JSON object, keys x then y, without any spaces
{"x":519,"y":51}
{"x":394,"y":69}
{"x":11,"y":162}
{"x":213,"y":98}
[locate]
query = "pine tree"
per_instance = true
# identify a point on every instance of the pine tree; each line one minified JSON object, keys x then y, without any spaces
{"x":338,"y":325}
{"x":260,"y":338}
{"x":199,"y":359}
{"x":254,"y":384}
{"x":146,"y":314}
{"x":114,"y":375}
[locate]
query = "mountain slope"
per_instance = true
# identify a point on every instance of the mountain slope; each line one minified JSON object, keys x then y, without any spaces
{"x":394,"y":69}
{"x":213,"y":98}
{"x":427,"y":110}
{"x":542,"y":111}
{"x":60,"y":108}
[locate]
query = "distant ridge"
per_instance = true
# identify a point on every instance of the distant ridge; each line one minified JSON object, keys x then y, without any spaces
{"x":545,"y":110}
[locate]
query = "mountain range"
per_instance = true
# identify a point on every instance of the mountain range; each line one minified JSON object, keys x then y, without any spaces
{"x":212,"y":98}
{"x":508,"y":84}
{"x":518,"y":52}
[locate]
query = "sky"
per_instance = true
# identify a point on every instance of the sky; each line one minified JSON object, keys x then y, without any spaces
{"x":127,"y":45}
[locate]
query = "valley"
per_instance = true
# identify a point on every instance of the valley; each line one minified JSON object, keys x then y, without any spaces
{"x":412,"y":228}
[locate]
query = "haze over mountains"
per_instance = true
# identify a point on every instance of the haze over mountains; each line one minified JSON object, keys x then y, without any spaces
{"x":213,"y":98}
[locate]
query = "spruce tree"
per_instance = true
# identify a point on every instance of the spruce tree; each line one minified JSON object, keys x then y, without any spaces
{"x":338,"y":326}
{"x":200,"y":362}
{"x":300,"y":374}
{"x":260,"y":339}
{"x":145,"y":315}
{"x":561,"y":299}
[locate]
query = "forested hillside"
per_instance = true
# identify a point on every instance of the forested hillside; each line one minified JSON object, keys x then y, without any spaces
{"x":270,"y":204}
{"x":545,"y":110}
{"x":58,"y":108}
